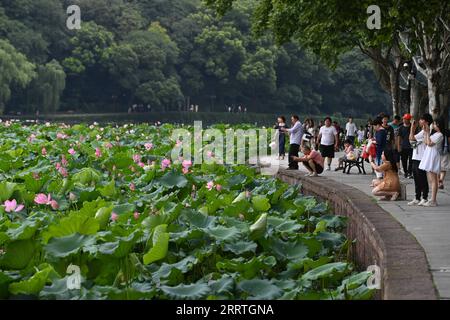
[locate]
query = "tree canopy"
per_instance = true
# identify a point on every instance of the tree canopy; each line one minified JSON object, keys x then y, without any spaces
{"x":169,"y":54}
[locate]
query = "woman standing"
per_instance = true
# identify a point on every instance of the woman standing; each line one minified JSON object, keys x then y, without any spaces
{"x":389,"y":187}
{"x":431,"y":161}
{"x":281,"y":123}
{"x":416,"y":138}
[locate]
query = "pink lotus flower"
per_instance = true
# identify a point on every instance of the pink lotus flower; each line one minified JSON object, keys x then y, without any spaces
{"x":165,"y":164}
{"x":148,"y":146}
{"x":186,"y":164}
{"x":11,"y":206}
{"x":31,"y":137}
{"x":137,"y":158}
{"x":64,"y":161}
{"x":141,"y":164}
{"x":136,"y":215}
{"x":185,"y":171}
{"x":58,"y":166}
{"x":98,"y":152}
{"x":44,"y":151}
{"x":132,"y":187}
{"x":63,"y":172}
{"x":210,"y":154}
{"x":43,"y":199}
{"x":54,"y":204}
{"x":114,"y":216}
{"x":108,"y":145}
{"x":210,"y":185}
{"x":72,"y":151}
{"x":218,"y":187}
{"x":61,"y":136}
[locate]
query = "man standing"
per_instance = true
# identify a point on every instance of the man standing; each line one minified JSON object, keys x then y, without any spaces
{"x":404,"y":147}
{"x":329,"y":141}
{"x":350,"y":131}
{"x":295,"y":138}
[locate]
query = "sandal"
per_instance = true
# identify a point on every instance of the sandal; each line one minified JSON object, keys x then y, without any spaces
{"x":395,"y":196}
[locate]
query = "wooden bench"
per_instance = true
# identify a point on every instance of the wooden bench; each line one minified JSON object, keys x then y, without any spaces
{"x":359,"y":163}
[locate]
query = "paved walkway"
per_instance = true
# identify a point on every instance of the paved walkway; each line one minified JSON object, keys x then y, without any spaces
{"x":430,"y":226}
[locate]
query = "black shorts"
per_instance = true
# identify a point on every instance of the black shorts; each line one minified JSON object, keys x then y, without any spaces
{"x":327,"y":151}
{"x":319,"y":168}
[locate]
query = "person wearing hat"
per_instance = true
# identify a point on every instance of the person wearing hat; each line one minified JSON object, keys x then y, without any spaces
{"x":404,"y":146}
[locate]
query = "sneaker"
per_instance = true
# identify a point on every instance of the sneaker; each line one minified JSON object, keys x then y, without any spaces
{"x":415,"y":202}
{"x":422,"y":202}
{"x":430,"y":203}
{"x":395,"y":196}
{"x":313,"y":175}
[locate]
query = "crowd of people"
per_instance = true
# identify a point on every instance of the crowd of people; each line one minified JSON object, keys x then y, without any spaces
{"x":418,"y":150}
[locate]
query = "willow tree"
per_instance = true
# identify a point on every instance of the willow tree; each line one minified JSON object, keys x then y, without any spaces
{"x":15,"y":70}
{"x":46,"y":89}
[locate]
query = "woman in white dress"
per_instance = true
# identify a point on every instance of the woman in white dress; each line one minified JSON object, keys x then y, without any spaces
{"x":431,"y":160}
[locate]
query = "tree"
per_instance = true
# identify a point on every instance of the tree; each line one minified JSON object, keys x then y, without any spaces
{"x":15,"y":69}
{"x":46,"y":89}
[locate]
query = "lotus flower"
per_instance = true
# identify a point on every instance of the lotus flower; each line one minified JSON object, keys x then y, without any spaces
{"x":72,"y":151}
{"x":98,"y":137}
{"x":114,"y":216}
{"x":148,"y":146}
{"x":72,"y":197}
{"x":132,"y":187}
{"x":210,"y":185}
{"x":136,"y":215}
{"x":64,"y":161}
{"x":218,"y":187}
{"x":165,"y":164}
{"x":31,"y":137}
{"x":44,"y":151}
{"x":210,"y":154}
{"x":108,"y":145}
{"x":98,"y":152}
{"x":11,"y":206}
{"x":61,"y":136}
{"x":141,"y":164}
{"x":137,"y":158}
{"x":43,"y":199}
{"x":54,"y":204}
{"x":63,"y":171}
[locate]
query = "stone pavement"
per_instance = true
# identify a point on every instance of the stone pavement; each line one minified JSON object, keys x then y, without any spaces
{"x":430,"y":226}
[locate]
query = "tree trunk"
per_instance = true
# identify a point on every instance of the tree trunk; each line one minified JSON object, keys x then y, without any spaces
{"x":394,"y":77}
{"x":414,"y":108}
{"x":445,"y":101}
{"x":433,"y":93}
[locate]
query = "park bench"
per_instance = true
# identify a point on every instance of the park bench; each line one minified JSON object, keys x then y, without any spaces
{"x":359,"y":163}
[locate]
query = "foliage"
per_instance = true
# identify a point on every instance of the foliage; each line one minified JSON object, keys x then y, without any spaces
{"x":140,"y":230}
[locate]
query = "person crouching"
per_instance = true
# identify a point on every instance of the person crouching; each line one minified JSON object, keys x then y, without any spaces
{"x":312,"y":160}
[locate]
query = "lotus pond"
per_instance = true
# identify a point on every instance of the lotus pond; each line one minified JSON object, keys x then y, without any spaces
{"x":107,"y":201}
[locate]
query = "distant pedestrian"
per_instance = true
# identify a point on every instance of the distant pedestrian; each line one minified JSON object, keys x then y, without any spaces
{"x":360,"y":134}
{"x":295,"y":137}
{"x":350,"y":131}
{"x":381,"y":140}
{"x":404,"y":146}
{"x":329,"y":141}
{"x":281,"y":123}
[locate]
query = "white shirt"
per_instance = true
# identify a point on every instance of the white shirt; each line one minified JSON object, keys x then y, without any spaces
{"x":360,"y":135}
{"x":420,"y":149}
{"x":328,"y":135}
{"x":296,"y":133}
{"x":351,"y":129}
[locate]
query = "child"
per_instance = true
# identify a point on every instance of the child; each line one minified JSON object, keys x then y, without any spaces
{"x":350,"y":154}
{"x":281,"y":123}
{"x":361,"y":135}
